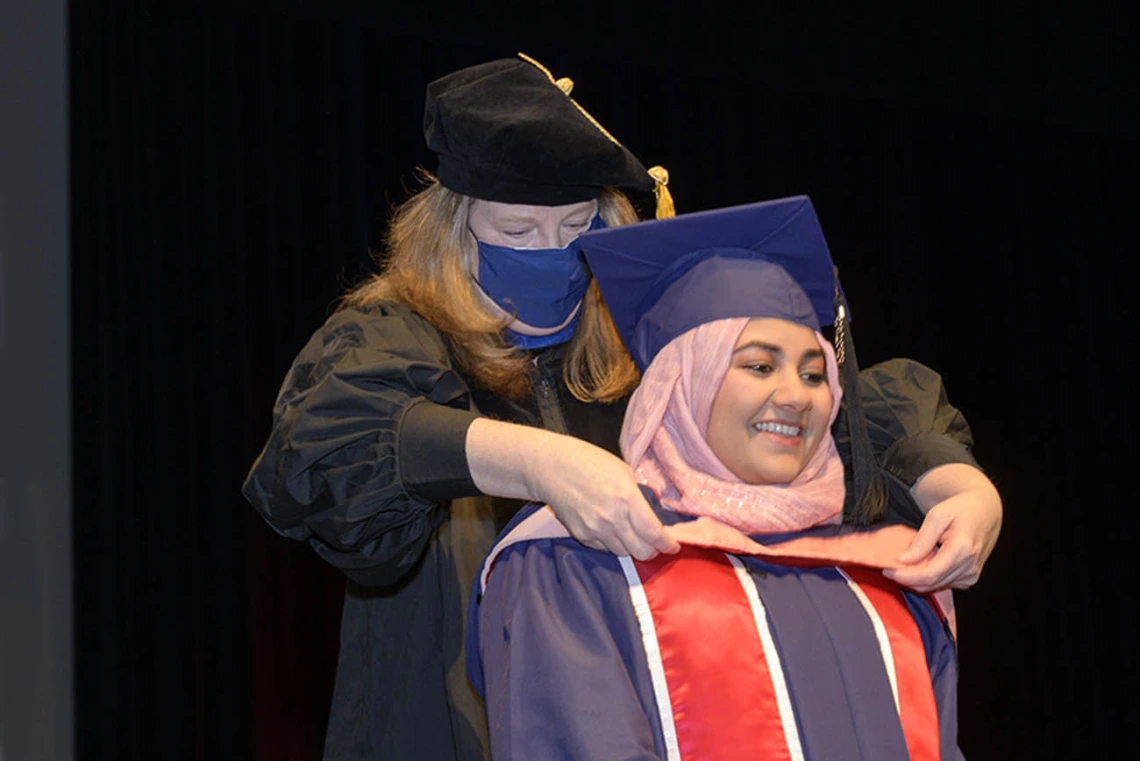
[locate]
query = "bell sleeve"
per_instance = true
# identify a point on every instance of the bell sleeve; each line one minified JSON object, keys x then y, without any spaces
{"x":911,"y":423}
{"x":368,"y":438}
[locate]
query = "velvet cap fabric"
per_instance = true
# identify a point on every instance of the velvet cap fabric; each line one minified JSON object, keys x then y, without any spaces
{"x":504,"y":131}
{"x":665,"y":277}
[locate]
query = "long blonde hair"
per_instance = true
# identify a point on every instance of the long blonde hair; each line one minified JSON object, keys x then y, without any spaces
{"x":423,"y":268}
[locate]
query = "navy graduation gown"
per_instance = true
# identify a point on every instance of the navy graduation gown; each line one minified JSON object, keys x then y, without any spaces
{"x":580,"y":655}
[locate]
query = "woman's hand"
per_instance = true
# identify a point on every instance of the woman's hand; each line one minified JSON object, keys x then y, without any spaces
{"x":596,"y":497}
{"x":963,"y":519}
{"x":592,"y":492}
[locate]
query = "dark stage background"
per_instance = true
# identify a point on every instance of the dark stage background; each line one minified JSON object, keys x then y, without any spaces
{"x":234,"y":162}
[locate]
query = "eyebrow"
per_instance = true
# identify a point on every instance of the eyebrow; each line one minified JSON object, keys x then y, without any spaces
{"x":516,"y":219}
{"x":809,"y":354}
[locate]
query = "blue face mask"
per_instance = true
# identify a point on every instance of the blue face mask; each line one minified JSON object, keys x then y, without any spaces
{"x":540,"y":286}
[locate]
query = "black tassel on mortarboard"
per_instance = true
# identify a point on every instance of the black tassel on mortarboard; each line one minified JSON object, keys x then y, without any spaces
{"x":869,"y":484}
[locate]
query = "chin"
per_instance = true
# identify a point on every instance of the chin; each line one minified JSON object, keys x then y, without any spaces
{"x":773,"y":476}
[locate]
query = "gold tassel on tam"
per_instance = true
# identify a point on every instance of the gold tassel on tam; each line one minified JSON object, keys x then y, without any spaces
{"x":660,"y":177}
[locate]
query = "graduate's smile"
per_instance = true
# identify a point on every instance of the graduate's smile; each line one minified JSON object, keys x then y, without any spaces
{"x":781,"y":430}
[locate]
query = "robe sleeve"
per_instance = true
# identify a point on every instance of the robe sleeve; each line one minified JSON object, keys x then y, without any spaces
{"x":560,"y":653}
{"x":368,"y":438}
{"x":912,"y":425}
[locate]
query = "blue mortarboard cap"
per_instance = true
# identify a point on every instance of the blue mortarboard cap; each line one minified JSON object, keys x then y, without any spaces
{"x":663,"y":278}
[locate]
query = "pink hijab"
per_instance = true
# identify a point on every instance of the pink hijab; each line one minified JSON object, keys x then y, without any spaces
{"x":663,"y":439}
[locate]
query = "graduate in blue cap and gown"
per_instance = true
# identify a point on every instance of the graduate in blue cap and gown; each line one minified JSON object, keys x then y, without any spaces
{"x":774,"y":633}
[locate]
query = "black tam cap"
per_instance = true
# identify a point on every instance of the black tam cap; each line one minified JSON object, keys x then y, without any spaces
{"x":507,"y":131}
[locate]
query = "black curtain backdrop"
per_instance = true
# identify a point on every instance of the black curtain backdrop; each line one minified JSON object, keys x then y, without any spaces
{"x":234,"y":163}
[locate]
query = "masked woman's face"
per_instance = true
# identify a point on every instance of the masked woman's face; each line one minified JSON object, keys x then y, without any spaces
{"x":773,"y":405}
{"x":548,"y":285}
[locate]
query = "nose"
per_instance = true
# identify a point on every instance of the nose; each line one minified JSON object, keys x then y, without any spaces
{"x":792,"y":394}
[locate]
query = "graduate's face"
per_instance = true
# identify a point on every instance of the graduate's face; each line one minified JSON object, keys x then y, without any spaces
{"x":774,"y":404}
{"x":521,"y":226}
